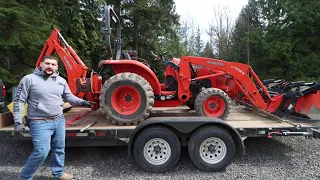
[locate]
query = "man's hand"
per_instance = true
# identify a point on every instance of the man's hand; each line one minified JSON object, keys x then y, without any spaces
{"x":87,"y":103}
{"x":18,"y":127}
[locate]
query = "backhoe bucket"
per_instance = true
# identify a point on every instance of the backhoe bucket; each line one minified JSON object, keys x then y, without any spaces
{"x":309,"y":105}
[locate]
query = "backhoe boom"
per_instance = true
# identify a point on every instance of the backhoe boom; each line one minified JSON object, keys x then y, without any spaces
{"x":75,"y":68}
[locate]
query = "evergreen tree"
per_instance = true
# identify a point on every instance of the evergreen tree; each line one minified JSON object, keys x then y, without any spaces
{"x":23,"y":29}
{"x":207,"y":52}
{"x":279,"y":39}
{"x":198,"y":43}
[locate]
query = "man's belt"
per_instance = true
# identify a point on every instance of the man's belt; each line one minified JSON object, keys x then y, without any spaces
{"x":44,"y":118}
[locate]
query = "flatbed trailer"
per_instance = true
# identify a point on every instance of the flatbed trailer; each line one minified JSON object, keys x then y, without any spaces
{"x":156,"y":142}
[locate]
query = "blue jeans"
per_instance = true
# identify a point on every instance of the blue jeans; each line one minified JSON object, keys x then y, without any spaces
{"x":46,"y":135}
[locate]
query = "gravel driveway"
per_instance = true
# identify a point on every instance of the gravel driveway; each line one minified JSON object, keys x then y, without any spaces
{"x":278,"y":158}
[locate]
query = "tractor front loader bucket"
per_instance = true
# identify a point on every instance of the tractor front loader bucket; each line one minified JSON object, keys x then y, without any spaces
{"x":309,"y":103}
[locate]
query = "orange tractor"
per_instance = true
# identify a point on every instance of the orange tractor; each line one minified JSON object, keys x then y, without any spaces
{"x":205,"y":84}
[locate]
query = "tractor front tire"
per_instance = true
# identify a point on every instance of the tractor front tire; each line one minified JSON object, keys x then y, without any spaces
{"x":126,"y":99}
{"x":213,"y":102}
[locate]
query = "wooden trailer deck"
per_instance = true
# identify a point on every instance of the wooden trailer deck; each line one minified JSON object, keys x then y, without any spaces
{"x":239,"y":117}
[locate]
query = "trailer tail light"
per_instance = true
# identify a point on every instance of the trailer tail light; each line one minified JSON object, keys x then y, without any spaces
{"x":101,"y":134}
{"x":90,"y":134}
{"x":4,"y":91}
{"x":71,"y":134}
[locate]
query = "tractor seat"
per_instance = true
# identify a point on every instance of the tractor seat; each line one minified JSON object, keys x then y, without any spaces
{"x":173,"y":65}
{"x":126,"y":55}
{"x":176,"y":67}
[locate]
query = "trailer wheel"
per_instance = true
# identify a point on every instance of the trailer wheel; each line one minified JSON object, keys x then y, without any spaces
{"x":157,"y":149}
{"x":211,"y":149}
{"x":126,"y":98}
{"x":213,"y":102}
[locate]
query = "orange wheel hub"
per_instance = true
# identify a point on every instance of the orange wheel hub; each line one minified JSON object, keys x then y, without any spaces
{"x":214,"y":106}
{"x":126,"y":100}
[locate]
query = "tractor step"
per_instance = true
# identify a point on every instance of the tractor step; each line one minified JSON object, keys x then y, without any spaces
{"x":166,"y":93}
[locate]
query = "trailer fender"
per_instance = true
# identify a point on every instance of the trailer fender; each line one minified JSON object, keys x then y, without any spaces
{"x":187,"y":125}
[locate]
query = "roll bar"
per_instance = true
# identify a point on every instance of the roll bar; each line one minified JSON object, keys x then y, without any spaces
{"x":108,"y":15}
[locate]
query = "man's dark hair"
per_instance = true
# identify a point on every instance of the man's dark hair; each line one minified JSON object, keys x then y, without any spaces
{"x":49,"y":57}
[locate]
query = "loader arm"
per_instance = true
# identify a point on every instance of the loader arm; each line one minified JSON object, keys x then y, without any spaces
{"x":242,"y":75}
{"x":75,"y":68}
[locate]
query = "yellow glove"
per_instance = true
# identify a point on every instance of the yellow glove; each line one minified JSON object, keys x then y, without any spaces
{"x":10,"y":107}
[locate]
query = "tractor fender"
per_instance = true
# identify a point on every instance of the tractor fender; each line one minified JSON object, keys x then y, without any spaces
{"x":187,"y":125}
{"x":120,"y":66}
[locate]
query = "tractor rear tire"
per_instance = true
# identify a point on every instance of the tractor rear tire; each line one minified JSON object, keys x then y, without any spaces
{"x":126,"y":99}
{"x":213,"y":102}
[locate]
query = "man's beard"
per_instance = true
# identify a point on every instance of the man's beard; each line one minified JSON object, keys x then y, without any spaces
{"x":50,"y":72}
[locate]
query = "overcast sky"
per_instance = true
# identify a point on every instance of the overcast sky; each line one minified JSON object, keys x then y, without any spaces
{"x":201,"y":10}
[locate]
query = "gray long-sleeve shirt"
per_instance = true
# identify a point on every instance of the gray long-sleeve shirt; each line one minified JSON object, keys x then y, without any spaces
{"x":43,"y":94}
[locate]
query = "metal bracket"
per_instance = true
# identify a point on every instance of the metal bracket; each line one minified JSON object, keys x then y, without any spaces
{"x":289,"y":133}
{"x":315,"y":133}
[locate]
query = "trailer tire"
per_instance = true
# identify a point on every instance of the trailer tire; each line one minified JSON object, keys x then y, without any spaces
{"x":211,"y":148}
{"x":213,"y":102}
{"x":126,"y":99}
{"x":157,"y":149}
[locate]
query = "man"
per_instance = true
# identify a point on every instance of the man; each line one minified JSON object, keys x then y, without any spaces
{"x":44,"y":91}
